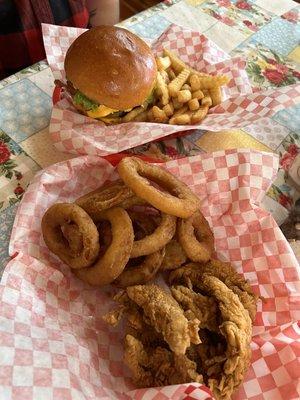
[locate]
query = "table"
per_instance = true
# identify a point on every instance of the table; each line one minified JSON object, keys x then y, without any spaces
{"x":266,"y":32}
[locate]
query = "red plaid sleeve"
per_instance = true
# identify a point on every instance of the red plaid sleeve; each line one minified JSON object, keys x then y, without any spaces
{"x":21,"y":42}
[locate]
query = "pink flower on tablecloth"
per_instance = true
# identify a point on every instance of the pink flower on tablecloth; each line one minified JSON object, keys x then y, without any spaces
{"x":286,"y":161}
{"x":243,"y":5}
{"x":282,"y":68}
{"x":293,"y":149}
{"x":250,"y":25}
{"x":296,"y":74}
{"x":227,"y":21}
{"x":274,"y":76}
{"x":18,"y":190}
{"x":224,"y":3}
{"x":4,"y":153}
{"x":171,"y":151}
{"x":291,"y":16}
{"x":285,"y":201}
{"x":271,"y":61}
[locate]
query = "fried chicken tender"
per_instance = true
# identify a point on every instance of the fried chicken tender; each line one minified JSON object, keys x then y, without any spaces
{"x":163,"y":313}
{"x":236,"y":328}
{"x":194,"y":272}
{"x":157,"y":366}
{"x":203,"y":308}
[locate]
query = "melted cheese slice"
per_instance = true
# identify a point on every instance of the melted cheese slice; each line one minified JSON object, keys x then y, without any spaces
{"x":101,"y":111}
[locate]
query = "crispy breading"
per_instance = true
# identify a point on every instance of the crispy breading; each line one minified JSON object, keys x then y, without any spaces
{"x":157,"y":366}
{"x":204,"y":308}
{"x":236,"y":328}
{"x":194,"y":272}
{"x":165,"y":315}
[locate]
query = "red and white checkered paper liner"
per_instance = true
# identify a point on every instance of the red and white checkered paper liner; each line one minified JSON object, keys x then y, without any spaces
{"x":75,"y":133}
{"x":54,"y":344}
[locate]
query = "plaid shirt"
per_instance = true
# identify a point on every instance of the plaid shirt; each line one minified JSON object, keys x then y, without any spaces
{"x":21,"y":42}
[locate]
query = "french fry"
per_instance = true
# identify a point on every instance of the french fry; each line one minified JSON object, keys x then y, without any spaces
{"x":176,"y":84}
{"x":183,"y":119}
{"x":198,"y":94}
{"x":142,"y":117}
{"x":171,"y":74}
{"x":206,"y":101}
{"x":163,"y":63}
{"x":176,"y":103}
{"x":216,"y":95}
{"x":193,"y":104}
{"x":132,"y":114}
{"x":211,"y":81}
{"x":111,"y":120}
{"x":162,"y":89}
{"x":184,"y":96}
{"x":169,"y":109}
{"x":181,"y":110}
{"x":165,"y":76}
{"x":199,"y":115}
{"x":159,"y":115}
{"x":195,"y":82}
{"x":177,"y":64}
{"x":186,"y":87}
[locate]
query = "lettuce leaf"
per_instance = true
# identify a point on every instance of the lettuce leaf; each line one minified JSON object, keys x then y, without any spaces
{"x":84,"y":101}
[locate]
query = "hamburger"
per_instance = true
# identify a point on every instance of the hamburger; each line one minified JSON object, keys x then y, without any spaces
{"x":109,"y":72}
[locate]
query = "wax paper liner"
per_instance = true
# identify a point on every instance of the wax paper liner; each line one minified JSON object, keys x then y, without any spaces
{"x":75,"y":133}
{"x":54,"y":344}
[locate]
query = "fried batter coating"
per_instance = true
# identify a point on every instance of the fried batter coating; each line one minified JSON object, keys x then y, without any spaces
{"x":174,"y":256}
{"x":236,"y":328}
{"x":166,"y":316}
{"x":194,"y":272}
{"x":204,"y":308}
{"x":157,"y":366}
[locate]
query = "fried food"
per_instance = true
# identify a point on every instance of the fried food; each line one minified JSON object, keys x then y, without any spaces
{"x":157,"y":239}
{"x":110,"y":195}
{"x":196,"y":237}
{"x":236,"y":328}
{"x":193,"y":273}
{"x":197,"y":330}
{"x":158,"y":366}
{"x":203,"y":308}
{"x":174,"y":256}
{"x":162,"y":90}
{"x":79,"y":253}
{"x":143,"y":272}
{"x":108,"y":267}
{"x":165,"y":314}
{"x":176,"y":84}
{"x":135,"y":173}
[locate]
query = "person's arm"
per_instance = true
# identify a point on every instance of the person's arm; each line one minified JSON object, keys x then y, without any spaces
{"x":104,"y":12}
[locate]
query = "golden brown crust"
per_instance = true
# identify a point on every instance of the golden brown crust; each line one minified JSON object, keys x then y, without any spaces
{"x":111,"y":66}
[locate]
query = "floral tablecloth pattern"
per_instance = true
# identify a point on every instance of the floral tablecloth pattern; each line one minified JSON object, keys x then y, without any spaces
{"x":266,"y":33}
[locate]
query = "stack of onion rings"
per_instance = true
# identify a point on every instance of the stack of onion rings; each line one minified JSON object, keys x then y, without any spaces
{"x":104,"y":239}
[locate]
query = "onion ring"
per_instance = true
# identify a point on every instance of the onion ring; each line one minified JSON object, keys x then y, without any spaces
{"x":62,"y":214}
{"x":196,"y":237}
{"x":156,"y":240}
{"x":74,"y":237}
{"x":107,"y":196}
{"x":143,"y":272}
{"x":108,"y":267}
{"x":180,"y":202}
{"x":174,"y":256}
